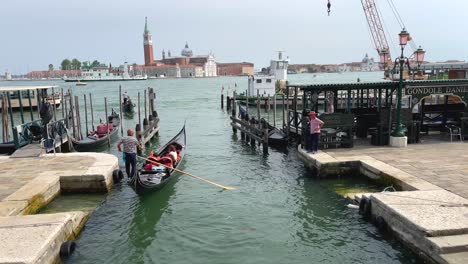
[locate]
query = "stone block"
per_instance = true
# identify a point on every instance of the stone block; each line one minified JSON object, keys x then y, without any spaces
{"x":399,"y":142}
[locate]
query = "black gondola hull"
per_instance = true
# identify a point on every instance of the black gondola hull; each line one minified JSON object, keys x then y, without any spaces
{"x":139,"y":182}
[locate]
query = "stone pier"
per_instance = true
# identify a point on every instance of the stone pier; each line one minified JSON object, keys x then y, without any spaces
{"x":429,"y":213}
{"x":28,"y":184}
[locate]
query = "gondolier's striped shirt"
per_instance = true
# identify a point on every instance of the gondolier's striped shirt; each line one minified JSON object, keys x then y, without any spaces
{"x":129,"y":144}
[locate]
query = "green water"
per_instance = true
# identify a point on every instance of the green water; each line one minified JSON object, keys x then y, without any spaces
{"x":278,"y":213}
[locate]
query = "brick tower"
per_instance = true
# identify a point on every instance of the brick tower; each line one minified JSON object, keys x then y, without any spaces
{"x":147,"y":45}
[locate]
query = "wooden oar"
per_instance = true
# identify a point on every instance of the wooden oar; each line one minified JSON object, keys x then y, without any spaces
{"x":188,"y":174}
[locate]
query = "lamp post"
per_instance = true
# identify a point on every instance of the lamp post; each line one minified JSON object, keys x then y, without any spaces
{"x":419,"y":54}
{"x":400,"y":129}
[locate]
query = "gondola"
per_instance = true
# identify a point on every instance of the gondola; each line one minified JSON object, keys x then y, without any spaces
{"x":98,"y":138}
{"x":147,"y":179}
{"x":276,"y":137}
{"x":128,"y":106}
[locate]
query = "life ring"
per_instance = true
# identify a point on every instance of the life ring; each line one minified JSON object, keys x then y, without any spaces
{"x":381,"y":224}
{"x":117,"y":176}
{"x":365,"y":207}
{"x":67,"y":248}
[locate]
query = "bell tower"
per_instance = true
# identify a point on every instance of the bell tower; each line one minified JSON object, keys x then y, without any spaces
{"x":148,"y":45}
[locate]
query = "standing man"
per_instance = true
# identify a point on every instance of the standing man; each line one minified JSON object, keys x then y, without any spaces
{"x":315,"y":126}
{"x":125,"y":97}
{"x":130,"y":145}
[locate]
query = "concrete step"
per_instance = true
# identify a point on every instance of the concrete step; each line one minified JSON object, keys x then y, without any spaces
{"x":449,"y":244}
{"x":456,"y":258}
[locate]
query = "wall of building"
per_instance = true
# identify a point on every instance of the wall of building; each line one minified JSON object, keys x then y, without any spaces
{"x":235,"y":69}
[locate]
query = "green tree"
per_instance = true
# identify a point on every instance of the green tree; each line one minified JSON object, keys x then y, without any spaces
{"x":51,"y":67}
{"x":95,"y":63}
{"x":76,"y":64}
{"x":66,"y":64}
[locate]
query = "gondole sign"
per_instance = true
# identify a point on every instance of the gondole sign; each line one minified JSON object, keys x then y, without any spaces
{"x":418,"y":91}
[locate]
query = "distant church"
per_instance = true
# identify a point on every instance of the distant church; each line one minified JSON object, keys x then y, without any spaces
{"x":185,"y":65}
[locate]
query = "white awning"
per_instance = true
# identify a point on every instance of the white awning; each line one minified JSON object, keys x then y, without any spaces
{"x":25,"y":88}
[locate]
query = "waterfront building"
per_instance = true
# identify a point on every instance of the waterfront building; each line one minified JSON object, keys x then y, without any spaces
{"x":235,"y":69}
{"x":185,"y":65}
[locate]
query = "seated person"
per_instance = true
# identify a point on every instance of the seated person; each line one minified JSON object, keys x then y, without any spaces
{"x":172,"y":152}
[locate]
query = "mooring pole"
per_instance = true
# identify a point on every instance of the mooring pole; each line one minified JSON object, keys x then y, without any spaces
{"x":274,"y":110}
{"x":65,"y":109}
{"x":21,"y":106}
{"x":38,"y":101}
{"x":144,"y":100}
{"x":3,"y":119}
{"x":72,"y":113}
{"x":222,"y":99}
{"x":86,"y":113}
{"x":10,"y":110}
{"x":53,"y":104}
{"x":139,"y":115}
{"x":259,"y":125}
{"x":92,"y":111}
{"x":120,"y":109}
{"x":61,"y":95}
{"x":78,"y":117}
{"x":30,"y":105}
{"x":107,"y":121}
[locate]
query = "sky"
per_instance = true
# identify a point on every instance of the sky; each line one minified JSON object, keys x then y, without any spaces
{"x":37,"y":33}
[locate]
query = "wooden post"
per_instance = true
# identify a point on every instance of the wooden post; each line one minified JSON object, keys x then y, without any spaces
{"x":72,"y":114}
{"x":120,"y":110}
{"x":64,"y":108}
{"x":287,"y":110}
{"x":234,"y":106}
{"x":139,"y":115}
{"x":228,"y":103}
{"x":92,"y":112}
{"x":21,"y":106}
{"x":38,"y":101}
{"x":30,"y":105}
{"x":144,"y":99}
{"x":265,"y":139}
{"x":247,"y":101}
{"x":284,"y":108}
{"x":53,"y":104}
{"x":107,"y":121}
{"x":349,"y":101}
{"x":4,"y":127}
{"x":274,"y":110}
{"x":10,"y":110}
{"x":61,"y":95}
{"x":222,"y":100}
{"x":258,"y":109}
{"x":86,"y":114}
{"x":78,"y":118}
{"x":296,"y":123}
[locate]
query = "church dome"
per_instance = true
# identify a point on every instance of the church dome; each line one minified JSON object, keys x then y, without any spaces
{"x":365,"y":59}
{"x":187,"y":52}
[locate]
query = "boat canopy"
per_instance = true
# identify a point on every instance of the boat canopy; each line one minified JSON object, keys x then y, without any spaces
{"x":25,"y":88}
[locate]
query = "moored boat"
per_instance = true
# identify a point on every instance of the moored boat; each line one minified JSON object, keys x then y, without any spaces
{"x":153,"y":177}
{"x":128,"y":106}
{"x":96,"y":139}
{"x":276,"y":137}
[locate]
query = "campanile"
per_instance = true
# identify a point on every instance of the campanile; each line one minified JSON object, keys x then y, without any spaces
{"x":147,"y":45}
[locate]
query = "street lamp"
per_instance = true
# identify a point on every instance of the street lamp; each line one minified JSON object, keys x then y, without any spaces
{"x":400,"y":128}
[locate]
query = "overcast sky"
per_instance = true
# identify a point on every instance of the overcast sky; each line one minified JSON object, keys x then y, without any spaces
{"x":36,"y":33}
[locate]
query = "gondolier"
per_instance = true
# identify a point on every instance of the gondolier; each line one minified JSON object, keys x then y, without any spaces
{"x":130,"y":145}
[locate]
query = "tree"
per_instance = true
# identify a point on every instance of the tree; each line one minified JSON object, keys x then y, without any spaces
{"x":95,"y":63}
{"x":66,"y":64}
{"x":51,"y":67}
{"x":76,"y":64}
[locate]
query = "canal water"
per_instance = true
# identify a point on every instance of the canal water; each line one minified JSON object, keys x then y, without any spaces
{"x":279,"y":213}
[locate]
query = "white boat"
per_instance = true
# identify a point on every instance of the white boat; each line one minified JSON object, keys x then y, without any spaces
{"x":80,"y":83}
{"x":104,"y":73}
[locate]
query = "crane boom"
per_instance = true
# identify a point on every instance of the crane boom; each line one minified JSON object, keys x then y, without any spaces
{"x":375,"y":26}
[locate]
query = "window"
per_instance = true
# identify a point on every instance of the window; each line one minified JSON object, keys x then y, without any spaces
{"x":268,"y":80}
{"x":259,"y":80}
